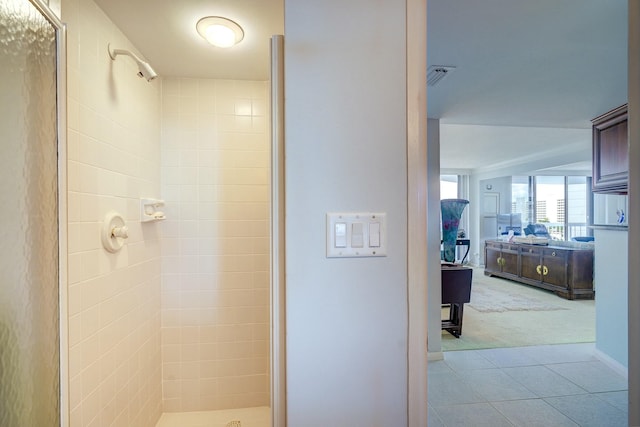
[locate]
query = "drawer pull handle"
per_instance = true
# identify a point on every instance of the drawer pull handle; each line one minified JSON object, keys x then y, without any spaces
{"x":539,"y":269}
{"x":545,"y":270}
{"x":553,"y":253}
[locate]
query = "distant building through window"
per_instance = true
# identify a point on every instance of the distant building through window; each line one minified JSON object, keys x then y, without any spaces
{"x":541,"y":211}
{"x":560,"y":210}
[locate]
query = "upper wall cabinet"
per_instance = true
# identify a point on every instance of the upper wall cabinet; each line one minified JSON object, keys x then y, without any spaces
{"x":611,"y":152}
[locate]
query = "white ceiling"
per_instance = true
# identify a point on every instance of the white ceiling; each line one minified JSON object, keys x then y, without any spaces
{"x":547,"y":64}
{"x":164,"y":31}
{"x":550,"y":64}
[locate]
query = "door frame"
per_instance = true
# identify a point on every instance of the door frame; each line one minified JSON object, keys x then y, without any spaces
{"x":61,"y":125}
{"x":417,"y":215}
{"x":633,"y":297}
{"x":278,"y":315}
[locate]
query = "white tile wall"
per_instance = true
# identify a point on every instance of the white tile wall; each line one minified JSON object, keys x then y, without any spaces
{"x":215,"y":244}
{"x":113,"y":160}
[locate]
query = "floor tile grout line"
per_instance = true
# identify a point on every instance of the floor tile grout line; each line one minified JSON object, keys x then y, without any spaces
{"x":552,"y":371}
{"x":599,"y":395}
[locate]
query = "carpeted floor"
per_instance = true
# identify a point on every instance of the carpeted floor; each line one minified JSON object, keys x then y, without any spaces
{"x":503,"y":313}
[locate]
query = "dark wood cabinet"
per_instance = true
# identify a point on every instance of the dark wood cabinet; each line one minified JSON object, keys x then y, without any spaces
{"x":502,"y":258}
{"x":566,"y":271}
{"x":546,"y":266}
{"x":611,"y":152}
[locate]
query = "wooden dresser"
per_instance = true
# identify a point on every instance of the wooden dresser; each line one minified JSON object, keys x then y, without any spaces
{"x":567,"y":271}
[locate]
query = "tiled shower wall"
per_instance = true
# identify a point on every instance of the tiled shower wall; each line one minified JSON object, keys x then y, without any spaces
{"x":113,"y":161}
{"x":215,"y":244}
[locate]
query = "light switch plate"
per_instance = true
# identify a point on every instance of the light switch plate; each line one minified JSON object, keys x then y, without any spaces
{"x":358,"y":245}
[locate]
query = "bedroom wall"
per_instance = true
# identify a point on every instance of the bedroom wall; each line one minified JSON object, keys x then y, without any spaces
{"x":346,"y":133}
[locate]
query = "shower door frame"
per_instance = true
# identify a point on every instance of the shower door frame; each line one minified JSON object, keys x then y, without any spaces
{"x":61,"y":129}
{"x":277,"y":339}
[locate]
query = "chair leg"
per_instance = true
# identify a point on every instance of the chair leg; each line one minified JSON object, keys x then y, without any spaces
{"x":455,"y":317}
{"x":453,"y":325}
{"x":459,"y":315}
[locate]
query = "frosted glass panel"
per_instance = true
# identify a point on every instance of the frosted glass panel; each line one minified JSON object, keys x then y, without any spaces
{"x":29,"y":337}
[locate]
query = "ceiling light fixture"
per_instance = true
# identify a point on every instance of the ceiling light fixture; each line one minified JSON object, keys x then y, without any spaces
{"x":219,"y":31}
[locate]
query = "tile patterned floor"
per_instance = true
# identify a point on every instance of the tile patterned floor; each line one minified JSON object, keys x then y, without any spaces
{"x":552,"y":385}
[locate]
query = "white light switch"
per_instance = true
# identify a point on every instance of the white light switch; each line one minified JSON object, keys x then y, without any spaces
{"x":374,"y":234}
{"x":340,"y":237}
{"x":356,"y":234}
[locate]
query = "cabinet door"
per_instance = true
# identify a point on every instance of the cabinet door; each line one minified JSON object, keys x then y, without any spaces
{"x":554,"y":267}
{"x":492,"y":259}
{"x":530,"y":263}
{"x":509,"y":262}
{"x":610,"y":152}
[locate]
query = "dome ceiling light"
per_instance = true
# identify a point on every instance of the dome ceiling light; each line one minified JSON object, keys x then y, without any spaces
{"x":219,"y":31}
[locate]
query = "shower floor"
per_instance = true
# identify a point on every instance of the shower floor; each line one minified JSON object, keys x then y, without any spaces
{"x":248,"y":417}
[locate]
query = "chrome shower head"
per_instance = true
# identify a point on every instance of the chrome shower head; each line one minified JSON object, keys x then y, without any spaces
{"x":144,"y":69}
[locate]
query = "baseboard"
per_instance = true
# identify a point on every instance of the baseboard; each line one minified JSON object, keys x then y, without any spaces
{"x":612,"y":363}
{"x":433,"y":356}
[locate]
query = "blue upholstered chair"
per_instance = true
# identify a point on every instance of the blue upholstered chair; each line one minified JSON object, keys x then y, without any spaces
{"x":538,"y":230}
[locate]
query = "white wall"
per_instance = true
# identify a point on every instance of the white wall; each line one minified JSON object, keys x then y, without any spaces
{"x":113,"y":160}
{"x":610,"y":282}
{"x":500,"y":185}
{"x":345,"y":88}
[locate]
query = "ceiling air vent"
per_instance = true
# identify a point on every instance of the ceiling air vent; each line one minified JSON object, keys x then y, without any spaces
{"x":436,"y":73}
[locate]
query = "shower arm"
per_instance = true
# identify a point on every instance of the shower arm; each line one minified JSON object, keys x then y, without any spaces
{"x":144,"y":69}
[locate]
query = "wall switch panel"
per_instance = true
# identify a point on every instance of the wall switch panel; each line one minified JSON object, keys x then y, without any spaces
{"x":356,"y":234}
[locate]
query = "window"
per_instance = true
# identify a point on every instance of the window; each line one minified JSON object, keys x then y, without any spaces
{"x":578,"y":196}
{"x":448,"y":187}
{"x":550,"y":195}
{"x":522,"y":198}
{"x":559,"y":202}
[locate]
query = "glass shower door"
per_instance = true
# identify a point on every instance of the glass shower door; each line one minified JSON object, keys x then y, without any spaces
{"x":29,"y":254}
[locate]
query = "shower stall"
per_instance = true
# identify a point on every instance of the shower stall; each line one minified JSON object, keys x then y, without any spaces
{"x":215,"y":244}
{"x":179,"y":320}
{"x":32,"y":191}
{"x":221,"y":180}
{"x":223,"y":275}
